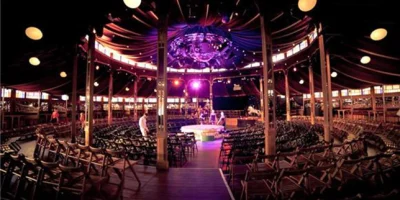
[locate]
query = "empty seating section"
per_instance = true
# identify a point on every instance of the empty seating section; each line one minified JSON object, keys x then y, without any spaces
{"x":62,"y":168}
{"x":318,"y":170}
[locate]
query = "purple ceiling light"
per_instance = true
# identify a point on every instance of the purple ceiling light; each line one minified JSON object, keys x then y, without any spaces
{"x":196,"y":85}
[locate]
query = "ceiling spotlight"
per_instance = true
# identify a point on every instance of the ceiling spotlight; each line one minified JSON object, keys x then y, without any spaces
{"x":306,"y":5}
{"x":176,"y":82}
{"x":63,"y":74}
{"x":33,"y":33}
{"x":132,"y":3}
{"x":97,"y":67}
{"x":334,"y":74}
{"x":236,"y":14}
{"x":301,"y":81}
{"x":127,"y":89}
{"x":378,"y":34}
{"x":365,"y":60}
{"x":65,"y":97}
{"x":229,"y":30}
{"x":34,"y":61}
{"x":294,"y":69}
{"x":96,"y":84}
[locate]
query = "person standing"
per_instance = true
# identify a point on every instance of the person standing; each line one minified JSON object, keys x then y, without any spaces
{"x":222,"y":120}
{"x":143,"y":125}
{"x":55,"y":116}
{"x":213,"y":117}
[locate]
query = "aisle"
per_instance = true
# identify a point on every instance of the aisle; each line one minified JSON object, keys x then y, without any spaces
{"x":206,"y":157}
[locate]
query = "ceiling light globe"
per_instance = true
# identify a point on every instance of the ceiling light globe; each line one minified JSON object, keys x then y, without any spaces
{"x":33,"y":33}
{"x":306,"y":5}
{"x":63,"y":74}
{"x":132,"y":3}
{"x":378,"y":34}
{"x":34,"y":61}
{"x":365,"y":60}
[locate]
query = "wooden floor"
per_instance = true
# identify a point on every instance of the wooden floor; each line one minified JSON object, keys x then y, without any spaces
{"x":177,"y":183}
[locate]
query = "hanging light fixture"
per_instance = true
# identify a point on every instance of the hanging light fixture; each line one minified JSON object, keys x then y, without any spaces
{"x":33,"y":33}
{"x":127,"y":89}
{"x":96,"y":84}
{"x":378,"y":34}
{"x":34,"y":61}
{"x":301,"y":81}
{"x":306,"y":5}
{"x":63,"y":74}
{"x":334,"y":74}
{"x":365,"y":60}
{"x":65,"y":97}
{"x":132,"y":3}
{"x":97,"y":67}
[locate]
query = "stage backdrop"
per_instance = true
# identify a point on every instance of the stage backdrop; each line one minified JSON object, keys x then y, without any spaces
{"x":231,"y":103}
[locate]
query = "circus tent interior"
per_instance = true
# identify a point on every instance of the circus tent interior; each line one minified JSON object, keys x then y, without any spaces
{"x":192,"y":99}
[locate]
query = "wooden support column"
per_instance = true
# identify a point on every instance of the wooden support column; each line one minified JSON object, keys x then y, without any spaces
{"x":186,"y":100}
{"x":211,"y":95}
{"x":352,"y":107}
{"x":287,"y":95}
{"x":273,"y":91}
{"x":74,"y":96}
{"x":13,"y":102}
{"x":384,"y":104}
{"x":39,"y":102}
{"x":270,"y":132}
{"x":89,"y":89}
{"x":179,"y":106}
{"x":324,"y":84}
{"x":110,"y":95}
{"x":135,"y":92}
{"x":3,"y":108}
{"x":261,"y":98}
{"x":373,"y":102}
{"x":162,"y":94}
{"x":330,"y":103}
{"x":312,"y":94}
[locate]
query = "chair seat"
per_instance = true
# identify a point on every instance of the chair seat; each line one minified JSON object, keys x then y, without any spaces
{"x":119,"y":164}
{"x":258,"y":187}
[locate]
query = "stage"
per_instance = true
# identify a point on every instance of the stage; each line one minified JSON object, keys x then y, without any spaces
{"x":247,"y":121}
{"x":203,"y":132}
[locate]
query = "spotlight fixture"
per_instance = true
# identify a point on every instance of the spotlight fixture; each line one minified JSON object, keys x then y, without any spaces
{"x":63,"y":74}
{"x":365,"y":60}
{"x":127,"y":89}
{"x":97,"y":67}
{"x":196,"y":85}
{"x":378,"y":34}
{"x":306,"y":5}
{"x":65,"y":97}
{"x":176,"y":82}
{"x":132,"y":3}
{"x":33,"y":33}
{"x":34,"y":61}
{"x":301,"y":81}
{"x":96,"y":84}
{"x":294,"y":69}
{"x":334,"y":74}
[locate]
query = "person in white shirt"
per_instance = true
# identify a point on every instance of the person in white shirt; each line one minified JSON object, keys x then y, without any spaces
{"x":143,"y":125}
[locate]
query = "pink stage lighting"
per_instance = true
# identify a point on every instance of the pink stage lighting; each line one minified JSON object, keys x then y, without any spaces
{"x":196,"y":85}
